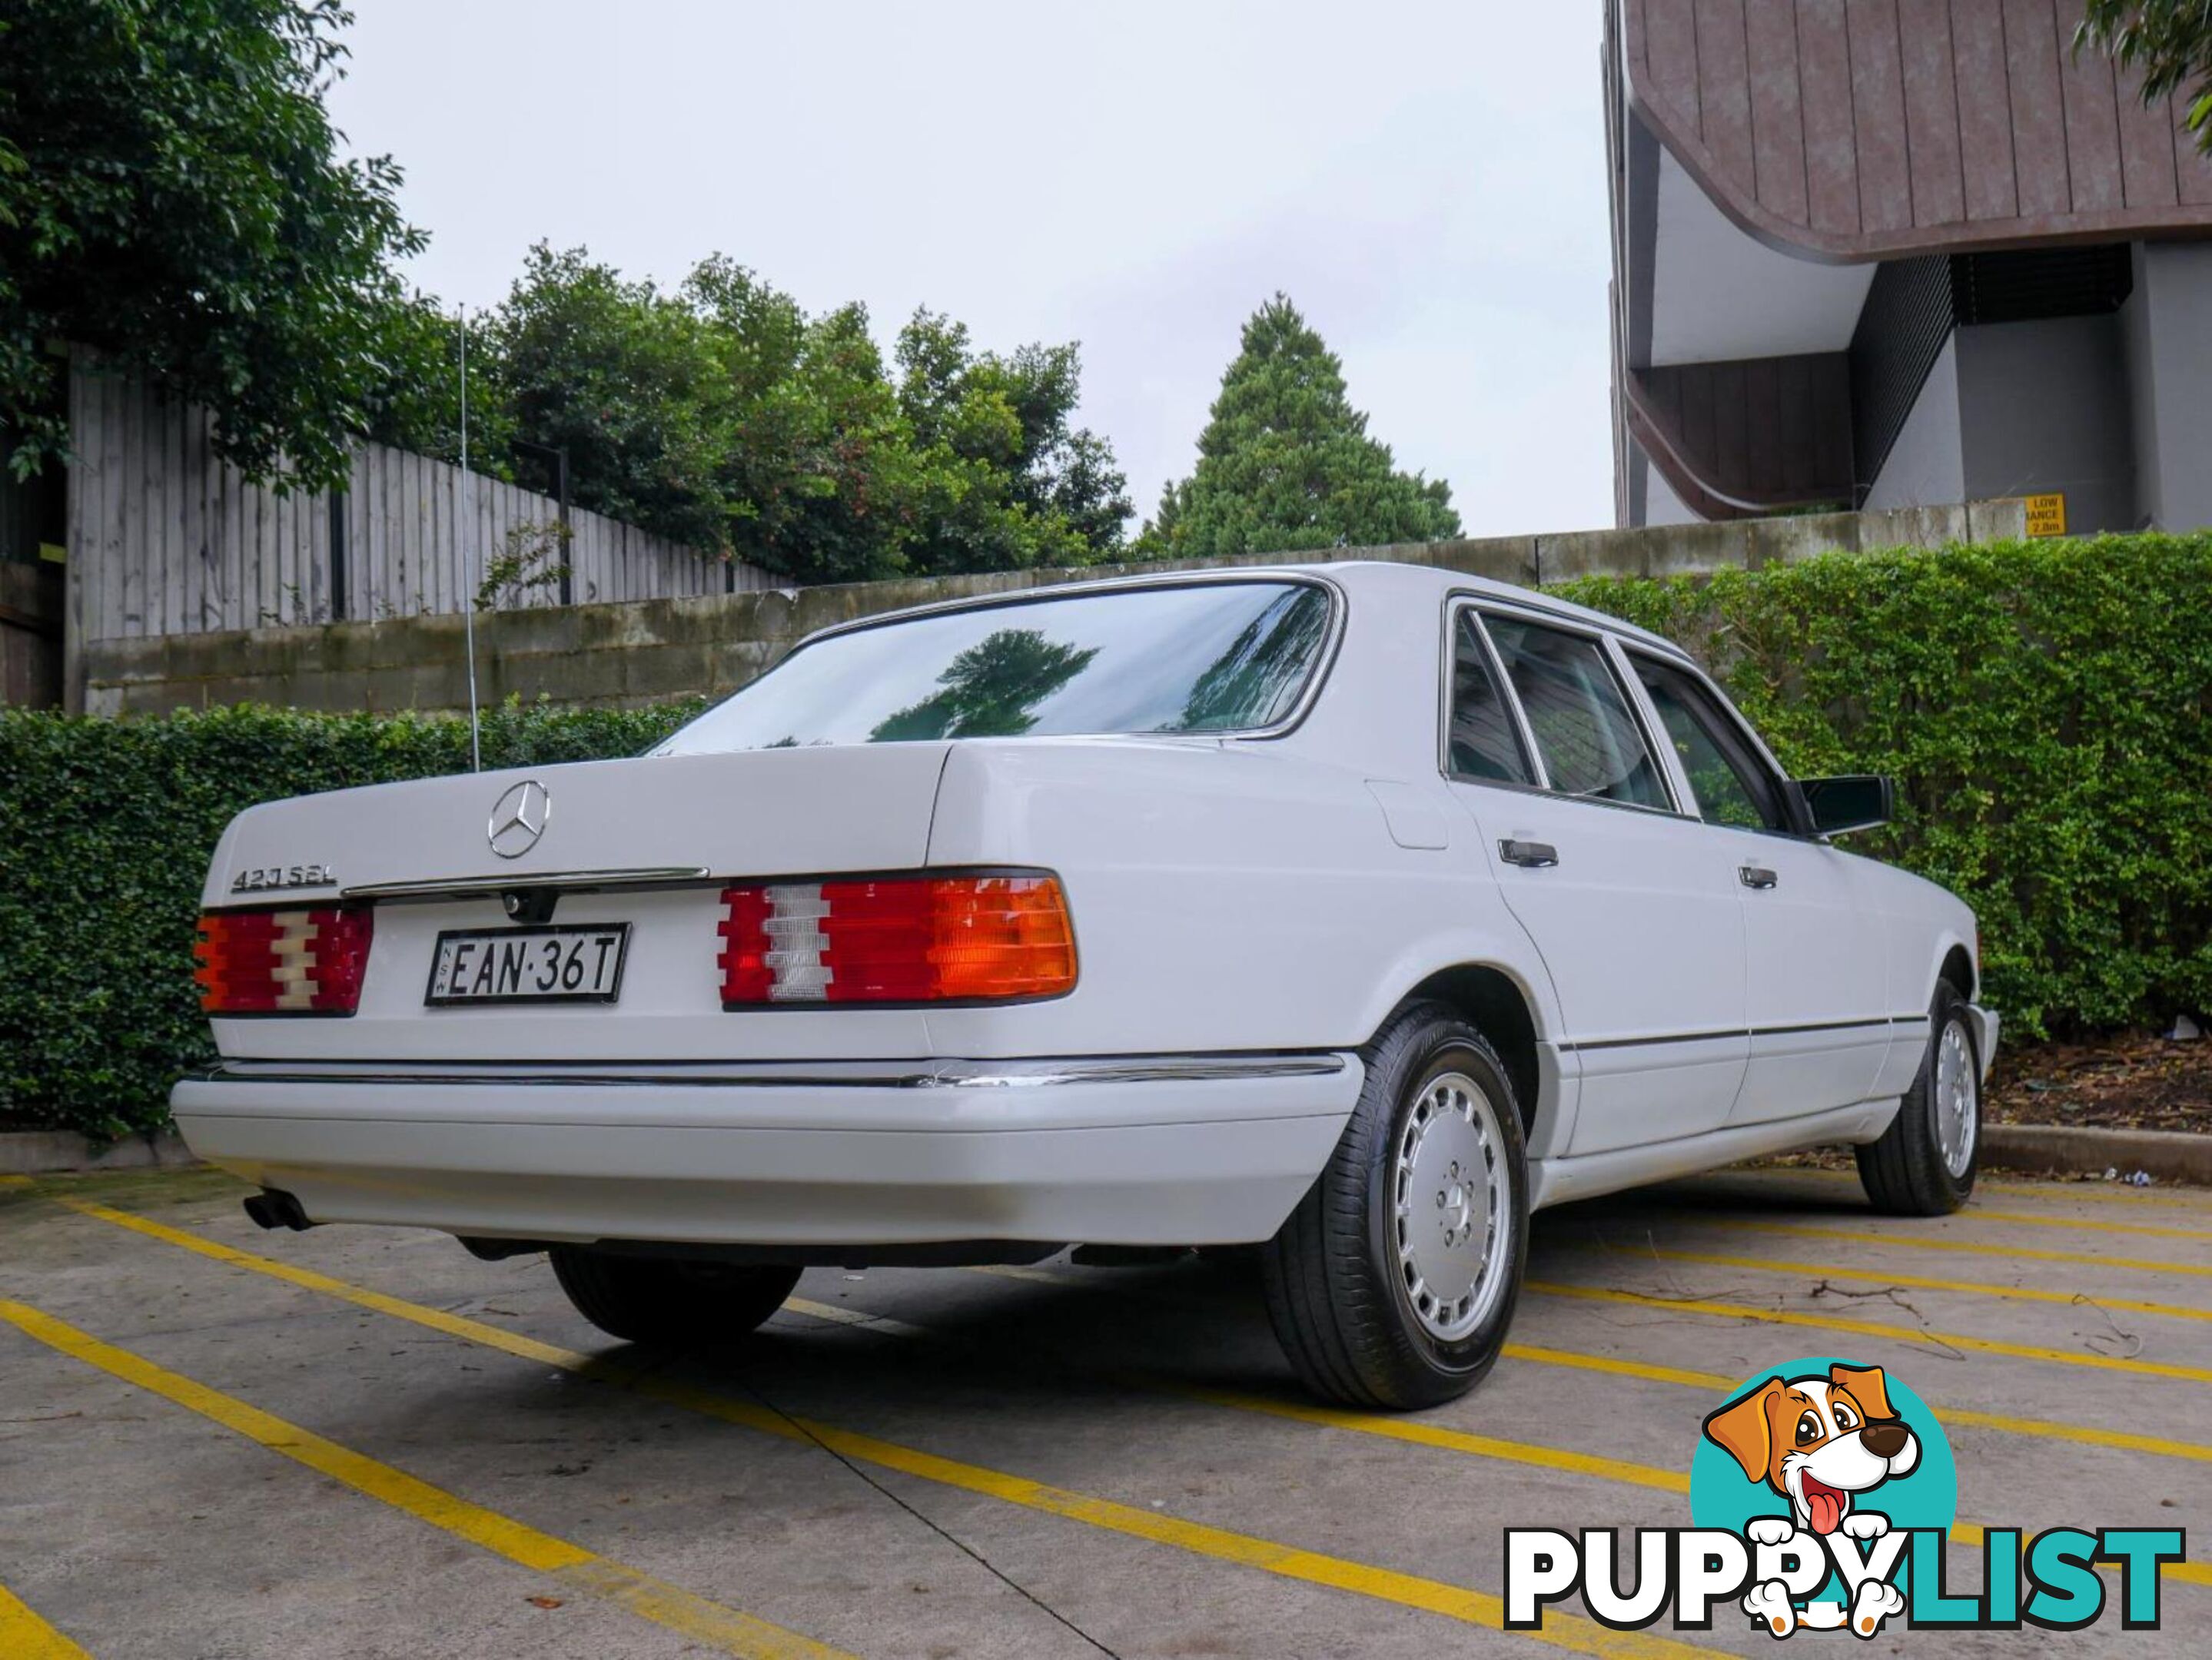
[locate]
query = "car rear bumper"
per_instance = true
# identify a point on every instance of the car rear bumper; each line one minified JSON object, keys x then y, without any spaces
{"x":1122,"y":1150}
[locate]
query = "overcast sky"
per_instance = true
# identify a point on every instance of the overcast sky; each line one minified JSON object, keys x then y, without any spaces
{"x":1426,"y":182}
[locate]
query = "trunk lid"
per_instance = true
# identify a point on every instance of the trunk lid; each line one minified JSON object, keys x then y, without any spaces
{"x":646,"y":842}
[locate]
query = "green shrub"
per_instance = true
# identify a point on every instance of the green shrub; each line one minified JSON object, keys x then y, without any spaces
{"x":105,"y":831}
{"x":2046,"y":709}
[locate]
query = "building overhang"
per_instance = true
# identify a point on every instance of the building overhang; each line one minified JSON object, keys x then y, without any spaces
{"x":1766,"y":159}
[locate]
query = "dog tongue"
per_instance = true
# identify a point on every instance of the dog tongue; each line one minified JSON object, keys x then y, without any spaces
{"x":1825,"y":1504}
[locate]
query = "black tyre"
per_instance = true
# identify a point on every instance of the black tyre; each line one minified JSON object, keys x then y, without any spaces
{"x":1925,"y":1161}
{"x":670,"y":1304}
{"x":1393,"y":1282}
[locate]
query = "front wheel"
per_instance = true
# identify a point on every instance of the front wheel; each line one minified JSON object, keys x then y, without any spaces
{"x":1925,"y":1162}
{"x":669,"y":1303}
{"x":1393,"y":1282}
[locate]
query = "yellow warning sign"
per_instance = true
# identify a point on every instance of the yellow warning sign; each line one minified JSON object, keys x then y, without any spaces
{"x":2046,"y":514}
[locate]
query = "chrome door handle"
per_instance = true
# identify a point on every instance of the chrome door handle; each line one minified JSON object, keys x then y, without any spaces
{"x":1755,"y":876}
{"x":1533,"y":855}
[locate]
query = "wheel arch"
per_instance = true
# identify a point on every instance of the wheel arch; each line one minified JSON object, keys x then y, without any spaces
{"x":1957,"y":970}
{"x":1497,"y":1002}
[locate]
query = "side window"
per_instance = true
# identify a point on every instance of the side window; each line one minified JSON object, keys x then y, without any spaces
{"x":1485,"y":741}
{"x":1733,"y":785}
{"x":1589,"y":741}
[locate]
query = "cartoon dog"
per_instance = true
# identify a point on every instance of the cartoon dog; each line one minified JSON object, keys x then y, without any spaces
{"x":1818,"y":1441}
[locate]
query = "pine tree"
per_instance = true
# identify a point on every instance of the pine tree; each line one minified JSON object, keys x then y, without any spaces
{"x":1285,"y":464}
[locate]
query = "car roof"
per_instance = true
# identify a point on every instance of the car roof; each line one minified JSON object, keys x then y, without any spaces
{"x":1354,"y":576}
{"x":1355,"y":573}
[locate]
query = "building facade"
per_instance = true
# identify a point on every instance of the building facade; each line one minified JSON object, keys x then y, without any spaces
{"x":1881,"y":254}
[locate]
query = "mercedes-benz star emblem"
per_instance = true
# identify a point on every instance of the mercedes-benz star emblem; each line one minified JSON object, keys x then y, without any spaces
{"x":519,"y":820}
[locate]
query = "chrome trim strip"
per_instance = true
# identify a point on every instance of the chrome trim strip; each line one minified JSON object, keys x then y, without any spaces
{"x":450,"y":887}
{"x":861,"y":1074}
{"x":1871,"y":1023}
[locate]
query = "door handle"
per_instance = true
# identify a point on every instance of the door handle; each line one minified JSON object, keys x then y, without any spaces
{"x":1756,"y":876}
{"x":1533,"y":855}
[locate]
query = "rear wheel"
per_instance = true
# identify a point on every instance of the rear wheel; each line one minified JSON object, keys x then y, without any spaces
{"x":667,"y":1302}
{"x":1925,"y":1162}
{"x":1393,"y":1281}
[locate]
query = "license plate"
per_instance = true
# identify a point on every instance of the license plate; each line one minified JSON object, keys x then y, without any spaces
{"x":529,"y":965}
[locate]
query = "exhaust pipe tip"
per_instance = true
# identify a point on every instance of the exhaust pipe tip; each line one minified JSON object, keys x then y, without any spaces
{"x":273,"y":1207}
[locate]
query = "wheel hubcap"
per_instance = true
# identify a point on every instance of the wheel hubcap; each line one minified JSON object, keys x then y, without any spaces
{"x":1958,"y":1100}
{"x":1452,"y":1222}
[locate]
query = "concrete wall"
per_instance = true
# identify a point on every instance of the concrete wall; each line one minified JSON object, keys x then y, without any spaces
{"x":2015,"y":408}
{"x":657,"y":649}
{"x":2043,"y":406}
{"x":2167,"y":327}
{"x":1927,"y":463}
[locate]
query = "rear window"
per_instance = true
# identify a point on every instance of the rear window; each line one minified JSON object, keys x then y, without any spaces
{"x":1210,"y":657}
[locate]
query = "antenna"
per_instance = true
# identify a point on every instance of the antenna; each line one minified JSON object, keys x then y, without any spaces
{"x":469,"y":565}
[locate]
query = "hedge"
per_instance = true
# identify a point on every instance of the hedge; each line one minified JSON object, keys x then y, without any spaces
{"x":105,"y":831}
{"x":2046,"y":708}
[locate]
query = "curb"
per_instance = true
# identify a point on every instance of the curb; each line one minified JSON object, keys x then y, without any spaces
{"x":40,"y":1152}
{"x":2164,"y":1155}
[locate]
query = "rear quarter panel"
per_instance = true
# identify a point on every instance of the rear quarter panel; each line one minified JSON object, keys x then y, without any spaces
{"x":1224,"y":894}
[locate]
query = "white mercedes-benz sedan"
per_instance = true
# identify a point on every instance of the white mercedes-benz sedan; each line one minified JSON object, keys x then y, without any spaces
{"x":1350,"y":912}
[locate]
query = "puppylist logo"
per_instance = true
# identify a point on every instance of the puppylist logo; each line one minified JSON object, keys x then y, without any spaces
{"x":1822,"y":1495}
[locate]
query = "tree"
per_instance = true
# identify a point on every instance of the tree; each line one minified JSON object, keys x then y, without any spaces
{"x":415,"y":401}
{"x":1010,"y":483}
{"x":2170,"y":41}
{"x":1286,"y":463}
{"x":620,"y":376}
{"x":724,"y":416}
{"x":170,"y":196}
{"x":992,"y":690}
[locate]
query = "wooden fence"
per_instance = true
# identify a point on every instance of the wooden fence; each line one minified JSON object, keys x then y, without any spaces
{"x":166,"y":538}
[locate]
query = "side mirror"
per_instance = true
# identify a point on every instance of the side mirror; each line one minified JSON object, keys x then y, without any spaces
{"x":1835,"y":806}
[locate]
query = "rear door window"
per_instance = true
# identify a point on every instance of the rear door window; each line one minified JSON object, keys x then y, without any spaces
{"x":1485,"y":741}
{"x":1193,"y":657}
{"x":1586,"y":734}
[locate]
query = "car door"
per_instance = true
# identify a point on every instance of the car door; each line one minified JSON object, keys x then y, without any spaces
{"x":1636,"y":919}
{"x":1815,"y":994}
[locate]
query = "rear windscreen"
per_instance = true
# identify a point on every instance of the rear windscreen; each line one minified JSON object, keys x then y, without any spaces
{"x":1208,"y":657}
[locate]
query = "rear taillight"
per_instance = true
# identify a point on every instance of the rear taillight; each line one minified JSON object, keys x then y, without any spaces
{"x":282,"y":962}
{"x":898,"y":940}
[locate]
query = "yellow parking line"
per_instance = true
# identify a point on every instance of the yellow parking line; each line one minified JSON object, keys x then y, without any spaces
{"x":845,"y":1316}
{"x":1874,"y":1328}
{"x":693,"y":1617}
{"x":1609,"y":1366}
{"x":1976,"y":1213}
{"x":1383,"y":1584}
{"x":2112,"y":1193}
{"x":1574,"y":1360}
{"x":1919,"y":1282}
{"x":24,"y":1636}
{"x":1965,"y":1246}
{"x":1417,"y":1433}
{"x":15,"y":1181}
{"x":2040,"y":1428}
